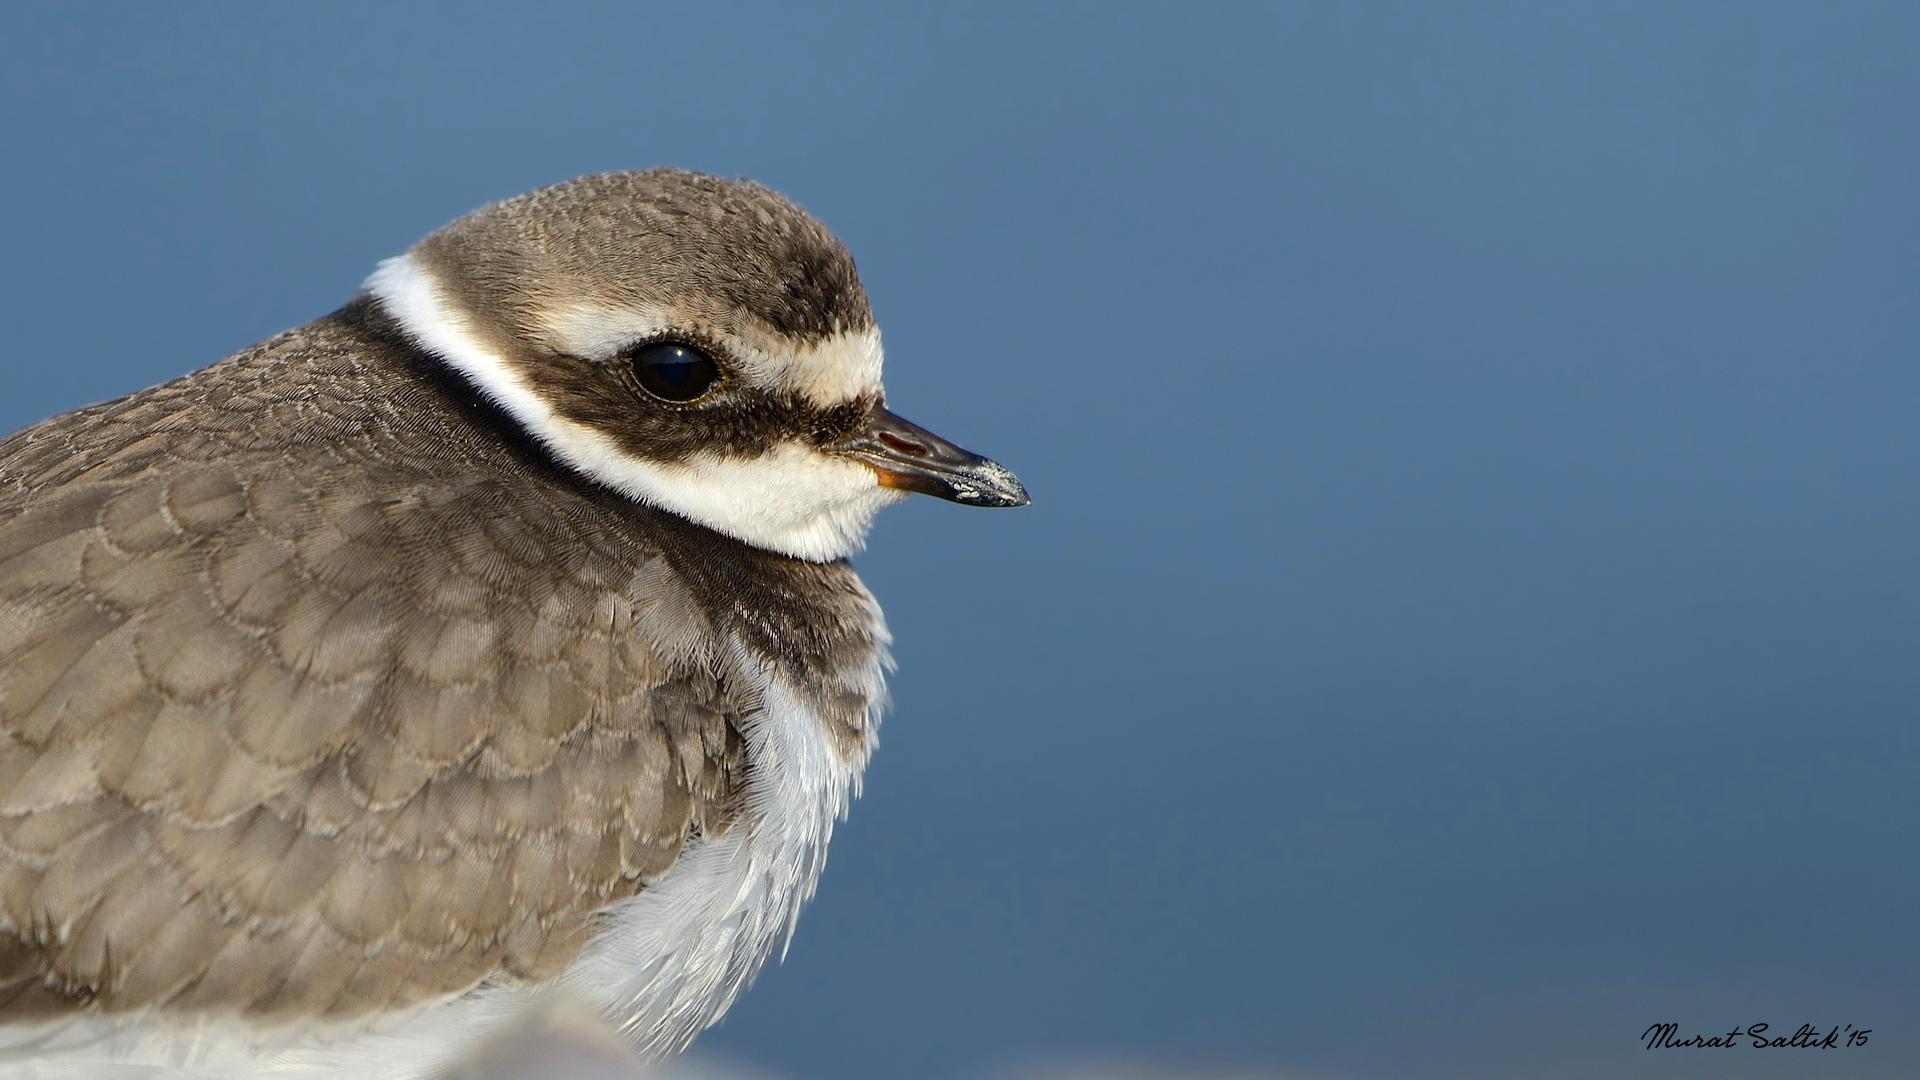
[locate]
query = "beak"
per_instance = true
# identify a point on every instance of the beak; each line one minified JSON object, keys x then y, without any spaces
{"x":911,"y":458}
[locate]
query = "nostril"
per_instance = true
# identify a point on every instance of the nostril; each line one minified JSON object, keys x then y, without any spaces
{"x":904,"y":446}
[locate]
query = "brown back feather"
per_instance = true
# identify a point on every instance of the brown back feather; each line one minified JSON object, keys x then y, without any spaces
{"x":311,"y":705}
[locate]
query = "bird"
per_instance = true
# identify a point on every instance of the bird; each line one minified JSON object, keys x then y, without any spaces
{"x":489,"y":645}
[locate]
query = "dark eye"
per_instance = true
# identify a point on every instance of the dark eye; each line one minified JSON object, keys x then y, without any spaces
{"x":674,"y":372}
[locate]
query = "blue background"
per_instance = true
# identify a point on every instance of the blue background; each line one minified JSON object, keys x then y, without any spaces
{"x":1469,"y":610}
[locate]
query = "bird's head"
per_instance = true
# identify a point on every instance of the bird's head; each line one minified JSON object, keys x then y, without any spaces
{"x":701,"y":345}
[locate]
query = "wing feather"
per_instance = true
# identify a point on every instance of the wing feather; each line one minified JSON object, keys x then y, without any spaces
{"x":323,"y":733}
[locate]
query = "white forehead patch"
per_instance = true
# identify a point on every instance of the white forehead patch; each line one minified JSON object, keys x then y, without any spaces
{"x":796,"y":500}
{"x":837,"y":369}
{"x":840,"y":368}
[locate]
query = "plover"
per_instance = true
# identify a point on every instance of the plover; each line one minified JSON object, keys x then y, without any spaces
{"x":487,"y":643}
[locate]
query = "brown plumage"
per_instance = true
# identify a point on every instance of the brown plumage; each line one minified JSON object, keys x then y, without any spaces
{"x":485,"y":644}
{"x":356,"y":715}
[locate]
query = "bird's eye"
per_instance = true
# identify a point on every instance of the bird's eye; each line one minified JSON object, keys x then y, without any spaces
{"x":673,"y":371}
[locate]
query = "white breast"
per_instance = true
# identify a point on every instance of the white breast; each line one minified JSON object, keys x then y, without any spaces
{"x":669,"y":964}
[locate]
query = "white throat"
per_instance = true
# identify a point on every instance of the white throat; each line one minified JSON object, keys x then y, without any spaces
{"x":795,"y":499}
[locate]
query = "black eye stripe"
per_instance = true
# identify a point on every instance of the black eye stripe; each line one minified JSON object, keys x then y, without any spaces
{"x":674,"y":371}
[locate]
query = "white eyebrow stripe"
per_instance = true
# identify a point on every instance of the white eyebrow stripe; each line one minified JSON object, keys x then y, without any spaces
{"x":601,"y":334}
{"x":839,"y":369}
{"x":834,"y":371}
